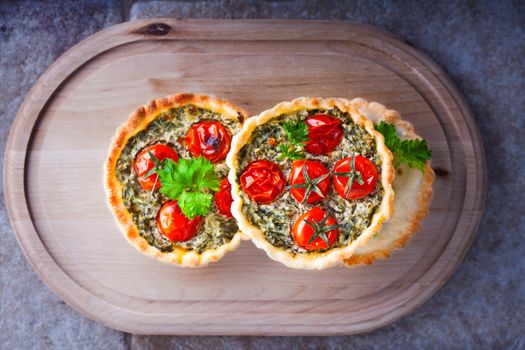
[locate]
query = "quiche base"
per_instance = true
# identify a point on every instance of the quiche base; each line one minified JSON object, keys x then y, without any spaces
{"x":311,"y":260}
{"x":413,"y":194}
{"x":137,"y":121}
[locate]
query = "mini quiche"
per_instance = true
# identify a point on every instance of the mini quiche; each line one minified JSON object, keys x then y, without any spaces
{"x":412,"y":184}
{"x":166,"y":179}
{"x":311,"y":181}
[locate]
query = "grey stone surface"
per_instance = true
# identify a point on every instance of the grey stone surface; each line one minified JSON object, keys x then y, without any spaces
{"x":480,"y":44}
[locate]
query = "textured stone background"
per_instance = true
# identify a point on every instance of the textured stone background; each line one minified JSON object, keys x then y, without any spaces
{"x":481,"y":45}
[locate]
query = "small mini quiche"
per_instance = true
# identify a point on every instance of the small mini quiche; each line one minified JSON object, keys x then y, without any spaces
{"x":412,"y":183}
{"x":166,"y":179}
{"x":311,"y":181}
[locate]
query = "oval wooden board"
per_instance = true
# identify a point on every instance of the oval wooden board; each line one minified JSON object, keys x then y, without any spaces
{"x":58,"y":143}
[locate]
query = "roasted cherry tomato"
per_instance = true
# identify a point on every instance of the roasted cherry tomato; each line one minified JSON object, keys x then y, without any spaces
{"x":309,"y":181}
{"x":315,"y":230}
{"x":324,"y":133}
{"x":223,"y":198}
{"x":173,"y":224}
{"x":209,"y":139}
{"x":262,"y":181}
{"x":143,"y":163}
{"x":364,"y":176}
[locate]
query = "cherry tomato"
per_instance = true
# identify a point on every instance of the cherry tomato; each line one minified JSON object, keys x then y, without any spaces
{"x":317,"y":181}
{"x":368,"y":174}
{"x":303,"y":230}
{"x":325,"y":133}
{"x":223,"y":198}
{"x":209,"y":139}
{"x":173,"y":224}
{"x":263,"y":181}
{"x":143,"y":163}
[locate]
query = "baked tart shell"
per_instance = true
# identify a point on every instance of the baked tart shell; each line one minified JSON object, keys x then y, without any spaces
{"x":413,"y":193}
{"x":138,"y":121}
{"x":311,"y":260}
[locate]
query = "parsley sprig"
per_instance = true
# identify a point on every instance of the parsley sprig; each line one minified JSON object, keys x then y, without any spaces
{"x":320,"y":229}
{"x":414,"y":153}
{"x":189,"y":182}
{"x":309,"y":184}
{"x":353,"y":176}
{"x":297,"y":135}
{"x":290,"y":151}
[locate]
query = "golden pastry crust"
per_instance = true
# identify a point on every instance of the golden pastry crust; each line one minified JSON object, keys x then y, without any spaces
{"x":137,"y":121}
{"x":413,"y":194}
{"x":311,"y":260}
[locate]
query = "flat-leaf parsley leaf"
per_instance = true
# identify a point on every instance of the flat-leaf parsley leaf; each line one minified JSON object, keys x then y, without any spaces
{"x":297,"y":132}
{"x":189,"y":182}
{"x":414,"y":153}
{"x":291,"y":151}
{"x":297,"y":135}
{"x":195,"y":203}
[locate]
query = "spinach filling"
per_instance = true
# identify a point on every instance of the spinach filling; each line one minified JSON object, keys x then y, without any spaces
{"x":169,"y":128}
{"x":275,"y":219}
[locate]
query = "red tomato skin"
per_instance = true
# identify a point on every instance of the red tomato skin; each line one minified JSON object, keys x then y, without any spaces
{"x":173,"y":224}
{"x":325,"y":134}
{"x":302,"y":232}
{"x":314,"y":169}
{"x":368,"y":172}
{"x":209,"y":139}
{"x":263,"y":181}
{"x":143,"y":164}
{"x":223,"y":199}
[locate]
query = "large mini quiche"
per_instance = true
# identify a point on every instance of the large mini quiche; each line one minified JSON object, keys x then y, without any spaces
{"x":165,"y":179}
{"x":413,"y":188}
{"x":311,"y":181}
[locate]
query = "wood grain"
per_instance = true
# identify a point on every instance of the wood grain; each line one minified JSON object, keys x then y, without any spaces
{"x":58,"y":143}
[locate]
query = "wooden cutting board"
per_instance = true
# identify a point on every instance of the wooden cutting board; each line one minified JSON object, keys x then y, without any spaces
{"x":58,"y":143}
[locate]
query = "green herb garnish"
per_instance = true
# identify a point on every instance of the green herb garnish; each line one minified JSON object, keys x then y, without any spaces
{"x":297,"y":135}
{"x":189,"y":182}
{"x":296,"y":132}
{"x":414,"y":153}
{"x":291,"y":151}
